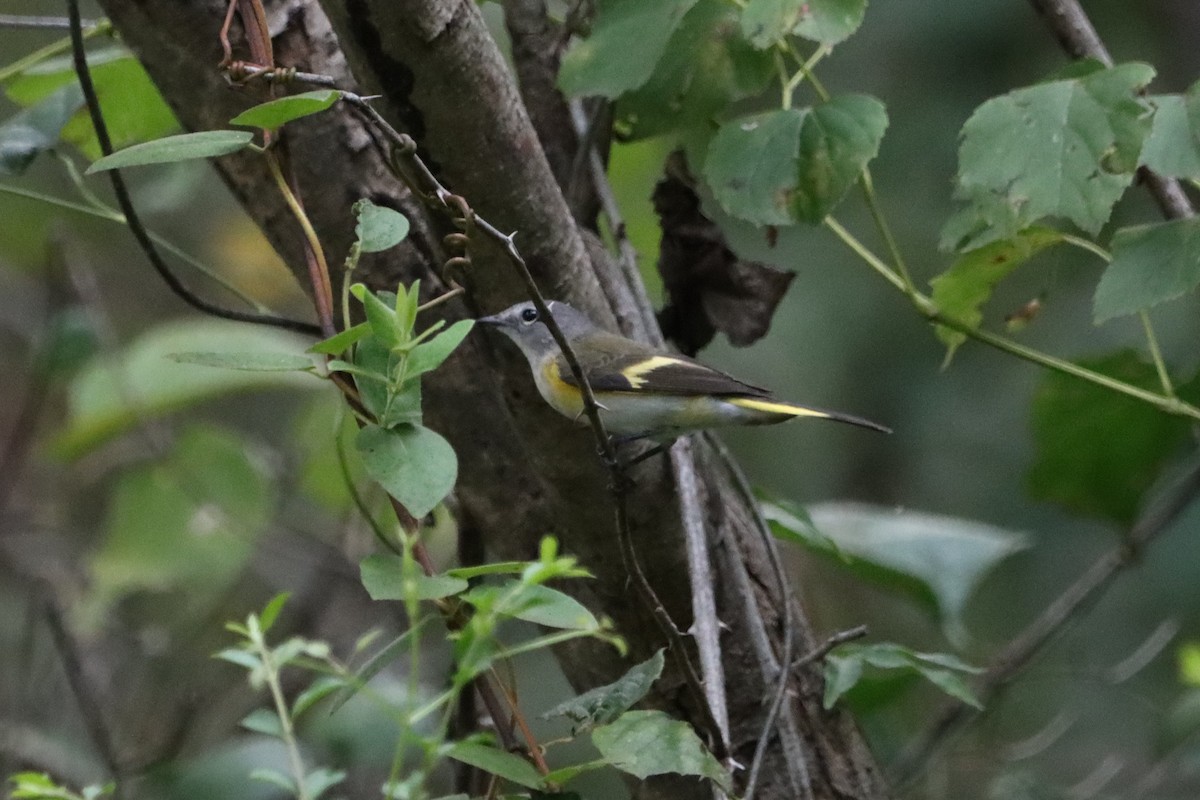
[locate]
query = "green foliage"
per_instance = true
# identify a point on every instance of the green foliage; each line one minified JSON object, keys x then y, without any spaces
{"x":794,"y":164}
{"x":40,"y":786}
{"x":1066,"y":148}
{"x":604,"y":704}
{"x":248,"y":362}
{"x":36,"y":129}
{"x":273,"y":114}
{"x":416,"y":466}
{"x":961,"y":291}
{"x":767,"y":22}
{"x":937,"y":560}
{"x":645,"y":743}
{"x":1173,"y":146}
{"x":1099,"y":452}
{"x":1151,"y":264}
{"x":115,"y":392}
{"x":133,"y":109}
{"x":379,"y":227}
{"x":498,"y":762}
{"x":845,"y":666}
{"x":181,"y":147}
{"x":831,"y":21}
{"x":626,"y":42}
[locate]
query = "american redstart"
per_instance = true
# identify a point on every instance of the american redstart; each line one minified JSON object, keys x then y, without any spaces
{"x":641,"y":391}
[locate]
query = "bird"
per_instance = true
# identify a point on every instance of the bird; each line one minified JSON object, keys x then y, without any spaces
{"x":641,"y":391}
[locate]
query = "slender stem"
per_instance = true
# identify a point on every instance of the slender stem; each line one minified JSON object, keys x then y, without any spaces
{"x":885,"y":230}
{"x":288,"y":731}
{"x":1152,"y":342}
{"x":926,"y":307}
{"x":318,"y":269}
{"x":1091,"y":247}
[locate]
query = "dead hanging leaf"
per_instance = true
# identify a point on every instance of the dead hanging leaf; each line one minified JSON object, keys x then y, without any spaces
{"x":708,"y":287}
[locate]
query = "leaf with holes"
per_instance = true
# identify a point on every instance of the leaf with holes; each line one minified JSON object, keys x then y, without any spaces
{"x":646,"y":743}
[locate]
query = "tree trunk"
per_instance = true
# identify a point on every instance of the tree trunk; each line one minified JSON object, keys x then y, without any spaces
{"x":524,"y":471}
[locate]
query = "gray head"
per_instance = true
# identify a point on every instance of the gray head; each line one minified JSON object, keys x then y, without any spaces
{"x":522,"y":324}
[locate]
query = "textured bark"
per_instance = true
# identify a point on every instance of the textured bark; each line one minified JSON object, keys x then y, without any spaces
{"x":524,"y":471}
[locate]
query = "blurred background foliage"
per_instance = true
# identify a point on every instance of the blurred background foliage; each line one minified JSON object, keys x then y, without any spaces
{"x":124,"y":507}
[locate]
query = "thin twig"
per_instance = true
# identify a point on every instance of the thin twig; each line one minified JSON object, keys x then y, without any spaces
{"x":126,"y":203}
{"x":49,"y":23}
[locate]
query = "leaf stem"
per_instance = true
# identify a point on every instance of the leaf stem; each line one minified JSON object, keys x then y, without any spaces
{"x":287,"y":730}
{"x":927,"y":308}
{"x":1156,"y":354}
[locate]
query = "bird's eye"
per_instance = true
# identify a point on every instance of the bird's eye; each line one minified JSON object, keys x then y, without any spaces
{"x":529,"y":315}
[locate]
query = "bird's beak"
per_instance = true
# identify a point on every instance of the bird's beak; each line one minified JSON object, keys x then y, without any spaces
{"x":492,"y":321}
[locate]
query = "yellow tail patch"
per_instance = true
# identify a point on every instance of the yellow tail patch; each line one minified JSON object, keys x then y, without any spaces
{"x":778,"y":408}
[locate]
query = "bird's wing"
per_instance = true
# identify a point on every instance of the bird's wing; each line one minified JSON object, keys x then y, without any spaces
{"x":614,"y":364}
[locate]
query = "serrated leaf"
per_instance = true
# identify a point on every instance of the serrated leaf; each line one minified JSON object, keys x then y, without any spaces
{"x":706,"y":65}
{"x":415,"y":465}
{"x":498,"y":762}
{"x":379,"y":227}
{"x":1173,"y":147}
{"x":768,"y":22}
{"x":844,"y":669}
{"x":837,"y":140}
{"x":263,"y":720}
{"x":1151,"y":264}
{"x":938,"y":560}
{"x":36,"y":129}
{"x":962,"y":290}
{"x":274,"y":113}
{"x":181,"y":147}
{"x":384,"y":579}
{"x":1097,"y":452}
{"x":247,"y":362}
{"x":1066,"y":148}
{"x":626,"y":42}
{"x":602,"y":705}
{"x":646,"y":743}
{"x":830,"y":21}
{"x":751,"y":166}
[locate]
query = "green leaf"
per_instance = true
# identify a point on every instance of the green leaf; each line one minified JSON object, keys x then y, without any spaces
{"x":241,"y":658}
{"x":706,"y":66}
{"x":795,"y":164}
{"x":36,"y":129}
{"x":844,"y":669}
{"x":384,"y":579}
{"x":645,"y":743}
{"x":751,"y":166}
{"x":1150,"y":265}
{"x":962,"y":290}
{"x":133,"y":109}
{"x":382,"y":318}
{"x":1097,"y":452}
{"x":248,"y":362}
{"x":765,"y":23}
{"x":498,"y":762}
{"x":430,"y":354}
{"x":263,"y":720}
{"x":627,"y":40}
{"x":497,"y":568}
{"x":118,"y":391}
{"x":275,"y":778}
{"x":181,"y":147}
{"x":1066,"y":148}
{"x":534,"y":603}
{"x":791,"y":522}
{"x":837,"y":140}
{"x":375,"y":664}
{"x":1173,"y":147}
{"x":186,"y":524}
{"x":379,"y":227}
{"x":936,"y":559}
{"x":274,"y":113}
{"x":271,"y":611}
{"x":415,"y":465}
{"x":321,"y":780}
{"x":341,"y":341}
{"x":321,"y":688}
{"x":831,"y":21}
{"x":602,"y":705}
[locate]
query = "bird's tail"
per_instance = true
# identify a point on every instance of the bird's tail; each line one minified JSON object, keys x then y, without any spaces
{"x":792,"y":410}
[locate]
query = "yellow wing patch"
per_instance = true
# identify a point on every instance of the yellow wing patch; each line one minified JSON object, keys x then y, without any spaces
{"x":635,"y":373}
